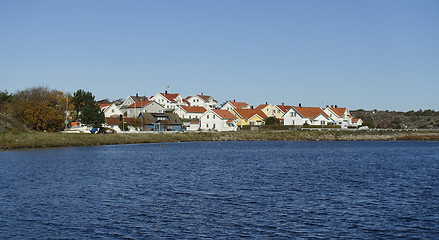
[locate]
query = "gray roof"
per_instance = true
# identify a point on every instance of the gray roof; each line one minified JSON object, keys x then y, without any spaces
{"x":172,"y":118}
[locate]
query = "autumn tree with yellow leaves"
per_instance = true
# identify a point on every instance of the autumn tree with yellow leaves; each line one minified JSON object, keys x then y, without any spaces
{"x":40,"y":108}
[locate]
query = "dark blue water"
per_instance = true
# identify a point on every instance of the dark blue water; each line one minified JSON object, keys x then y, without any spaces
{"x":277,"y":190}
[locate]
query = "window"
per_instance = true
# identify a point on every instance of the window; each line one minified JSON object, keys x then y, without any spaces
{"x":213,"y":118}
{"x":207,"y":125}
{"x":214,"y":125}
{"x":207,"y":116}
{"x":112,"y":110}
{"x":322,"y":122}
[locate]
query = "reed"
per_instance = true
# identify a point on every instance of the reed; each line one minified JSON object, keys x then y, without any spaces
{"x":30,"y":140}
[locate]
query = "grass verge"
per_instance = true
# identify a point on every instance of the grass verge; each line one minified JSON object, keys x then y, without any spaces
{"x":29,"y":140}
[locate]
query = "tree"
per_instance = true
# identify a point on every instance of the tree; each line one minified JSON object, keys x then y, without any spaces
{"x":39,"y":108}
{"x":5,"y":99}
{"x":87,"y":109}
{"x":367,"y":121}
{"x":272,"y":121}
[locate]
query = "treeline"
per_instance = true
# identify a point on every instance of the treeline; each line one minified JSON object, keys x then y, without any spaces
{"x":421,"y":112}
{"x":44,"y":109}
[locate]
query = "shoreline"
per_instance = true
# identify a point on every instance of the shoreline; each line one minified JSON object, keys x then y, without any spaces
{"x":38,"y":140}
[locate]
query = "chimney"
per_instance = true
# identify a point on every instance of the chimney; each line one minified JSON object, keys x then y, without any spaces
{"x":335,"y":106}
{"x":283,"y":104}
{"x":332,"y":106}
{"x":137,"y":95}
{"x":300,"y":105}
{"x":234,"y":100}
{"x":266,"y":103}
{"x":327,"y":106}
{"x":201,"y":94}
{"x":166,"y":91}
{"x":252,"y":106}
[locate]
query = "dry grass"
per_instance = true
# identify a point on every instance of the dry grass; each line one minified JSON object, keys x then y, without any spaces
{"x":9,"y":141}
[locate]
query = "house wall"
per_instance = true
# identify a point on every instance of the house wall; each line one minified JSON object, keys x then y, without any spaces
{"x":319,"y":120}
{"x":168,"y":104}
{"x":128,"y":101}
{"x":228,"y":106}
{"x":112,"y":110}
{"x":183,"y":114}
{"x":153,"y":107}
{"x":193,"y":127}
{"x":276,"y":112}
{"x":291,"y":117}
{"x":196,"y":101}
{"x":133,"y":112}
{"x":211,"y":121}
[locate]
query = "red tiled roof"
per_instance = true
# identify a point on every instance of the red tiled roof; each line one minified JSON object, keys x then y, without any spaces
{"x":248,"y":113}
{"x":139,"y":104}
{"x":284,"y":108}
{"x":194,"y":109}
{"x":261,"y":106}
{"x":206,"y":98}
{"x":355,"y":120}
{"x":112,"y":120}
{"x":102,"y":105}
{"x":338,"y":111}
{"x":240,"y":104}
{"x":310,"y":112}
{"x":170,"y":96}
{"x":224,"y":114}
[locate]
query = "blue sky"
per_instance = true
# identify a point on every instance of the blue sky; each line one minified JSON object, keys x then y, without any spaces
{"x":358,"y":54}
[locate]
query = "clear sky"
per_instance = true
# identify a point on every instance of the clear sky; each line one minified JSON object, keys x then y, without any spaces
{"x":359,"y":54}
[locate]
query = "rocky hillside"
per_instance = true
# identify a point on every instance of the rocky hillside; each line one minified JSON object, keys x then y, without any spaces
{"x":9,"y":124}
{"x":422,"y":119}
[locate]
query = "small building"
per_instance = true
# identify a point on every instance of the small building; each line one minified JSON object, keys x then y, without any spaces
{"x":356,"y":122}
{"x":132,"y":99}
{"x":135,"y":109}
{"x":202,"y":100}
{"x":339,"y":116}
{"x":231,"y":105}
{"x":190,"y":112}
{"x":110,"y":110}
{"x":252,"y":117}
{"x":300,"y":116}
{"x":162,"y":122}
{"x":218,"y":120}
{"x":170,"y":101}
{"x":192,"y":125}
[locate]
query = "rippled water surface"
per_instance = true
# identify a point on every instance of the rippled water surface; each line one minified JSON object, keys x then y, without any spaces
{"x":200,"y":190}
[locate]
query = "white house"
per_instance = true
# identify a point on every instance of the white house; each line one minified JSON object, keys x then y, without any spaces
{"x":356,"y":122}
{"x":276,"y":111}
{"x":218,"y":120}
{"x":231,"y":105}
{"x":110,"y":110}
{"x":189,"y":112}
{"x":132,"y":99}
{"x":283,"y":109}
{"x":138,"y":107}
{"x":299,"y":116}
{"x":202,"y":101}
{"x":192,"y":125}
{"x":339,"y":116}
{"x":171,"y":101}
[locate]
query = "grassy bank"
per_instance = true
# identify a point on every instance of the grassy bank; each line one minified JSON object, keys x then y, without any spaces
{"x":31,"y":140}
